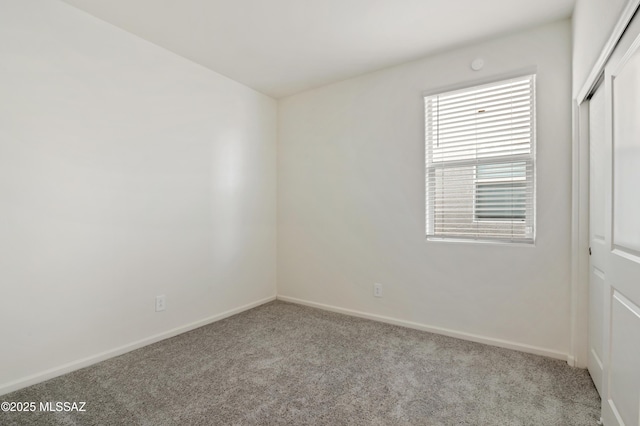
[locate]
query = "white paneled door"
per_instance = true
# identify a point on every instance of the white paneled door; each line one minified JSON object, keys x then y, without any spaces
{"x":615,"y":234}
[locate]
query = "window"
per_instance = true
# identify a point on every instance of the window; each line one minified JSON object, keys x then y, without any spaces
{"x":480,"y":162}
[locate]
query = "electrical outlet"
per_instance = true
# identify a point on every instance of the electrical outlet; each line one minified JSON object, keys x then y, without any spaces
{"x":377,"y":290}
{"x":161,"y":303}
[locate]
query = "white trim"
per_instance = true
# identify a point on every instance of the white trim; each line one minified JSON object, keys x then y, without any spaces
{"x":449,"y":240}
{"x":607,"y":50}
{"x":580,"y":235}
{"x":433,"y":329}
{"x":93,"y":359}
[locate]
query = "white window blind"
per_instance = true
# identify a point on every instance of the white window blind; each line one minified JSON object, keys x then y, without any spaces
{"x":480,"y":162}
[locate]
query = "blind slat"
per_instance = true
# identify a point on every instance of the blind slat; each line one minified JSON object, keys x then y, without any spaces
{"x":514,"y":85}
{"x":496,"y":129}
{"x":520,"y":97}
{"x":446,"y":153}
{"x":522,"y":114}
{"x":435,"y":144}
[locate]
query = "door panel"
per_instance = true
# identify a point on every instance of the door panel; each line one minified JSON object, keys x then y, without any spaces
{"x":625,"y":353}
{"x":626,"y":156}
{"x":621,"y":255}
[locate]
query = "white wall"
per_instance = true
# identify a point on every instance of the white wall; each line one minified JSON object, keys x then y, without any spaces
{"x":351,"y":202}
{"x":125,"y":172}
{"x":593,"y":22}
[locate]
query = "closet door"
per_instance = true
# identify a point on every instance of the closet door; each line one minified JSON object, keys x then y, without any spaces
{"x":620,"y":272}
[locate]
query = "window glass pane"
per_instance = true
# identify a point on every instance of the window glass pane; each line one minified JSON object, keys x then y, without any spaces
{"x":501,"y":201}
{"x":510,"y":171}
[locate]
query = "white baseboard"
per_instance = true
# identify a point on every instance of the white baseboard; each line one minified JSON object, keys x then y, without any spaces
{"x":93,"y":359}
{"x":436,"y":330}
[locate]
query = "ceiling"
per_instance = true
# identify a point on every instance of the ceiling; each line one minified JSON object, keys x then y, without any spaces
{"x":281,"y":47}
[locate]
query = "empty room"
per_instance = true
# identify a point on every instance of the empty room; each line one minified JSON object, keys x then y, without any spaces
{"x":327,"y":212}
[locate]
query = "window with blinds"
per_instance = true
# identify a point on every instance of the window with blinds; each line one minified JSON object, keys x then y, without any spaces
{"x":480,"y":162}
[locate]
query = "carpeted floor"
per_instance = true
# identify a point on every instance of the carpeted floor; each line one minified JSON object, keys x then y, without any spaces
{"x":282,"y":363}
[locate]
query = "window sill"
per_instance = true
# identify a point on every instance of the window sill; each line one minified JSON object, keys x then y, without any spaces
{"x":530,"y":244}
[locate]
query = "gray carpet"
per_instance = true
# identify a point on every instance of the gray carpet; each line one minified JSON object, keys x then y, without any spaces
{"x":282,"y":363}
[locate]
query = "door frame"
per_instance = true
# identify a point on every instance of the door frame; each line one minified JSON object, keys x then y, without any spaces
{"x":578,"y":355}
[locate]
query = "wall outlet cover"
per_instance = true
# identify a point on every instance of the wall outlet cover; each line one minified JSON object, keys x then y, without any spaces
{"x":161,"y":303}
{"x":377,"y":290}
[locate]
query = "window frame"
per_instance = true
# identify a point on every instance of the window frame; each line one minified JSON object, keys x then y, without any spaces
{"x":530,"y":239}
